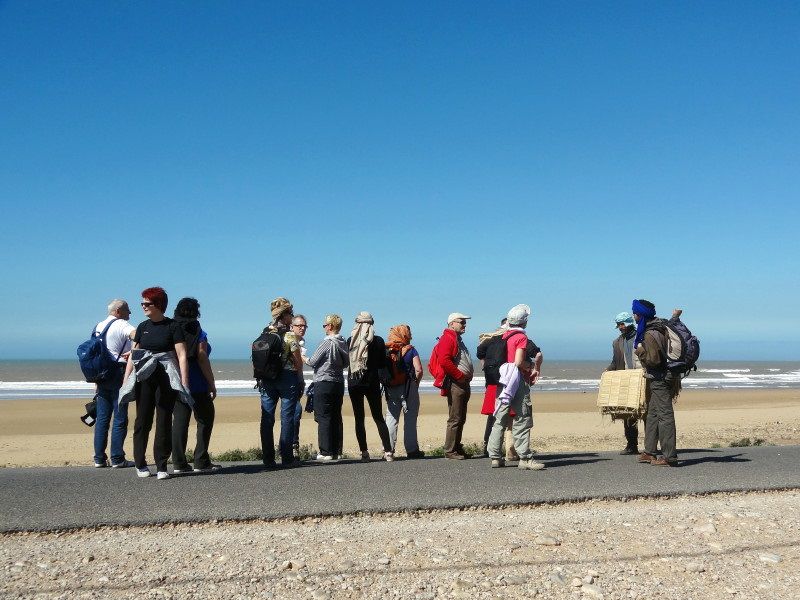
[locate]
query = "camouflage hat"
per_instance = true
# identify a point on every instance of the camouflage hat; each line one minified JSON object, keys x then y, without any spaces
{"x":279,"y":306}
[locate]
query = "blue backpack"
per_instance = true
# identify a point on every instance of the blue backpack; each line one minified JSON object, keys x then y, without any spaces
{"x":97,"y":363}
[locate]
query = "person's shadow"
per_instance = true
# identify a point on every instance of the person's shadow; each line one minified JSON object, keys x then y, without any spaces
{"x":729,"y":458}
{"x":564,"y":460}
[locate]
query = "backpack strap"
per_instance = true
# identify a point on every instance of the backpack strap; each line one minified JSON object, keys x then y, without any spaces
{"x":102,"y":336}
{"x":105,"y":330}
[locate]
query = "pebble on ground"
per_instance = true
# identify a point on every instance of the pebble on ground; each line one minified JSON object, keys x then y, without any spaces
{"x":729,"y":546}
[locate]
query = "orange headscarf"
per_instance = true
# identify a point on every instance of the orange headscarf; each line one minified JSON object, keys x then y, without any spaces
{"x":399,"y":338}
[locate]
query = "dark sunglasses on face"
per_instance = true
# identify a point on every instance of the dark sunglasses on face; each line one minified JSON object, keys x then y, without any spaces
{"x":146,"y":304}
{"x":300,"y":325}
{"x":462,"y":321}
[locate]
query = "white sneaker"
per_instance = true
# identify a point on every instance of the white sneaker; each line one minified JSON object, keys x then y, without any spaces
{"x":498,"y":463}
{"x":388,"y":456}
{"x":530,"y":465}
{"x":183,"y":471}
{"x":122,"y":465}
{"x":101,"y":465}
{"x":143,"y":472}
{"x":162,"y":475}
{"x":324,"y":458}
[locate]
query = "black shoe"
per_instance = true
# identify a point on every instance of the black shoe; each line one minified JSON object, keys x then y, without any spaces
{"x":628,"y":450}
{"x":270,"y":465}
{"x":416,"y":454}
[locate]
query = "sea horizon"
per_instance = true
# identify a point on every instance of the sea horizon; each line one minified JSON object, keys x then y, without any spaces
{"x":62,"y":378}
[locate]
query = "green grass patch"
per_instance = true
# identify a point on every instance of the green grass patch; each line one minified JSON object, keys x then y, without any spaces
{"x":470,"y":449}
{"x":239,"y":455}
{"x":747,"y":442}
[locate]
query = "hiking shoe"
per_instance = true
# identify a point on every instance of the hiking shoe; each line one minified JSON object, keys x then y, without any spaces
{"x":143,"y":472}
{"x":365,"y":456}
{"x":497,"y":463}
{"x":455,"y":456}
{"x":416,"y":454}
{"x":388,"y":456}
{"x":530,"y":465}
{"x":209,"y":469}
{"x":629,"y":451}
{"x":101,"y":465}
{"x":644,"y":457}
{"x":122,"y":465}
{"x":324,"y":458}
{"x":663,"y":462}
{"x":182,"y":470}
{"x":162,"y":475}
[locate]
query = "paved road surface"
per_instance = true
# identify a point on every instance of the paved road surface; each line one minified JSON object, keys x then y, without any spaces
{"x":69,"y":497}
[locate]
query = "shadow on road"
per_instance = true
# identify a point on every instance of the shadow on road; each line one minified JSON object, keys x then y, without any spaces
{"x":732,"y":458}
{"x":566,"y":462}
{"x":545,"y":456}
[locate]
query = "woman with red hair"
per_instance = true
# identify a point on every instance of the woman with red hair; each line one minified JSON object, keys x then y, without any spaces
{"x":162,"y":377}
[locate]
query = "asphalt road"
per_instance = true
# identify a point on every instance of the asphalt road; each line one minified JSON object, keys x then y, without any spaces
{"x":73,"y":497}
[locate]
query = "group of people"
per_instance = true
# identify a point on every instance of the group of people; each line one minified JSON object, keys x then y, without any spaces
{"x":163,"y":366}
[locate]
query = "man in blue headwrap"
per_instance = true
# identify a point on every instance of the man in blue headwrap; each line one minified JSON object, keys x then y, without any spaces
{"x":650,"y":345}
{"x":623,"y":357}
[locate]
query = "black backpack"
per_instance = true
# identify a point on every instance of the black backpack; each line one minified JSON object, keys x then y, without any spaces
{"x":267,"y":352}
{"x":683,"y":348}
{"x":497,"y":356}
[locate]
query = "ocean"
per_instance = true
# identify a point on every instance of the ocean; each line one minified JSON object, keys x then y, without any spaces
{"x":21,"y":379}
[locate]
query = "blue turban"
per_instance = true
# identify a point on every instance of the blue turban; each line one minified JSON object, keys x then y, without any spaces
{"x":646,"y":313}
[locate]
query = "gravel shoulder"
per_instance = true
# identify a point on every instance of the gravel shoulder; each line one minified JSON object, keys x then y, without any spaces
{"x":742,"y":545}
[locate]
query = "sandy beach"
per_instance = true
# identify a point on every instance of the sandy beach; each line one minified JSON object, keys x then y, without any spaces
{"x":48,"y":432}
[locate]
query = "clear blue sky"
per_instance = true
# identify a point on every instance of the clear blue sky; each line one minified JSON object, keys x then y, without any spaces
{"x":410,"y":159}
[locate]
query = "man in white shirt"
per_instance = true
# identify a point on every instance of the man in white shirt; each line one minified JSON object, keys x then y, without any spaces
{"x":118,"y":342}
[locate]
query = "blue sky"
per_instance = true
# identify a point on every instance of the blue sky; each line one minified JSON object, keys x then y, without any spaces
{"x":410,"y":159}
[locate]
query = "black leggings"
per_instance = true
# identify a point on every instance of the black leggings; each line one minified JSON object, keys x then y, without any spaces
{"x":154,"y":395}
{"x":204,"y":417}
{"x":373,"y":396}
{"x":488,"y":431}
{"x":328,"y":396}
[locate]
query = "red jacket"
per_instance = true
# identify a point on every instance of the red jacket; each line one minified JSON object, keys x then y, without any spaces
{"x":446,"y":351}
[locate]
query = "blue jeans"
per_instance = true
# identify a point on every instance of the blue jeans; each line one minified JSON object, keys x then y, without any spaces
{"x":298,"y":414}
{"x":108,"y":408}
{"x":286,"y":389}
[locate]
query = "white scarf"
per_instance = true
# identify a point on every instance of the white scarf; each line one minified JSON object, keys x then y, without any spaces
{"x":361,"y":336}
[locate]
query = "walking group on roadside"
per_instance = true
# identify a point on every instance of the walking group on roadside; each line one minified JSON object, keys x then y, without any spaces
{"x":163,"y":366}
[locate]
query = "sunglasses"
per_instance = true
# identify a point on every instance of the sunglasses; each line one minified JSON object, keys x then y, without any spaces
{"x":147,"y":304}
{"x":462,"y":321}
{"x":303,"y":325}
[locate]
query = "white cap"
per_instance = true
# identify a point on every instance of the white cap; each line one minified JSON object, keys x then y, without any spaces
{"x":519,"y":314}
{"x":456,"y":316}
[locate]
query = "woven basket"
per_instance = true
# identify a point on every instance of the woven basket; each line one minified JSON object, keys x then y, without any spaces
{"x":622,"y":393}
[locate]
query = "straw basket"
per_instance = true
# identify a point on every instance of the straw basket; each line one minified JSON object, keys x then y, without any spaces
{"x":622,"y":393}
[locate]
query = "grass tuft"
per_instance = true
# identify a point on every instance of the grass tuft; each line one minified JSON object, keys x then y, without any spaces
{"x":747,"y":442}
{"x":239,"y":455}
